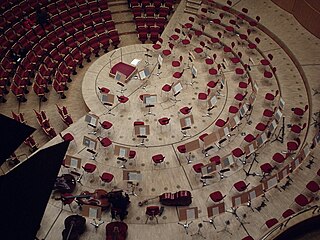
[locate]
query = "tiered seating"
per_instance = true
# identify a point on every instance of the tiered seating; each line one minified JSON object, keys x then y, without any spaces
{"x":150,"y":18}
{"x":49,"y":54}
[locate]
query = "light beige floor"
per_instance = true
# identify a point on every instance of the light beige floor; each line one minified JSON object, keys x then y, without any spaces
{"x":176,"y":174}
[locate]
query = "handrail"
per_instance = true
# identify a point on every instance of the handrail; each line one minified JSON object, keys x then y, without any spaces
{"x":285,"y":222}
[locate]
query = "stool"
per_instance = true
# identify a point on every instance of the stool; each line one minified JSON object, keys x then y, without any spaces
{"x":152,"y":212}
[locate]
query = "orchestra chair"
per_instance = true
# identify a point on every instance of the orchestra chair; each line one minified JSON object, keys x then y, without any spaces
{"x":67,"y":199}
{"x":106,"y":125}
{"x":197,"y":168}
{"x":202,"y":96}
{"x":216,"y":159}
{"x":239,"y":155}
{"x":241,"y":186}
{"x":240,"y":97}
{"x":299,"y":112}
{"x":271,"y":222}
{"x":158,"y":159}
{"x":278,"y":158}
{"x":216,"y":196}
{"x":132,"y":155}
{"x":314,"y":188}
{"x":89,"y":169}
{"x":247,"y":238}
{"x":260,"y":127}
{"x":122,"y":99}
{"x":220,"y":123}
{"x":249,"y":138}
{"x":164,"y":122}
{"x":152,"y":212}
{"x":292,"y":146}
{"x":296,"y":129}
{"x":105,"y":143}
{"x":182,"y":149}
{"x":185,"y":110}
{"x":104,"y":90}
{"x":266,"y":170}
{"x":202,"y":136}
{"x":287,"y":213}
{"x":166,"y":89}
{"x":269,"y":97}
{"x":302,"y":201}
{"x":106,"y":177}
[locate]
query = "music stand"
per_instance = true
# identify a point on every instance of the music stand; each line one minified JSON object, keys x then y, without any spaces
{"x":93,"y":212}
{"x":176,"y":89}
{"x":194,"y":72}
{"x":185,"y":214}
{"x":92,"y":121}
{"x":148,"y":56}
{"x":207,"y":172}
{"x":121,"y":80}
{"x":191,"y":146}
{"x":122,"y":154}
{"x":142,"y":132}
{"x":75,"y":163}
{"x":191,"y":59}
{"x":213,"y":211}
{"x":238,"y":200}
{"x":144,"y":74}
{"x":132,"y":177}
{"x":159,"y":63}
{"x":211,"y":105}
{"x":149,"y":101}
{"x":185,"y":124}
{"x":108,"y":100}
{"x":222,"y":84}
{"x":91,"y":145}
{"x":210,"y":140}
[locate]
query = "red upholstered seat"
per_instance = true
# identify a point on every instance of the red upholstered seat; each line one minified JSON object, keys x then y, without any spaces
{"x":213,"y":71}
{"x":239,"y":71}
{"x":182,"y":149}
{"x":216,"y":196}
{"x":268,"y":113}
{"x":227,"y":49}
{"x":248,"y":238}
{"x":313,"y":186}
{"x":237,"y":152}
{"x":267,"y":74}
{"x":301,"y":200}
{"x":68,"y":137}
{"x":89,"y":167}
{"x":287,"y":213}
{"x":137,"y":123}
{"x":166,"y":52}
{"x":266,"y":168}
{"x":185,"y":41}
{"x":197,"y":167}
{"x":175,"y":63}
{"x":221,"y":123}
{"x":261,"y":127}
{"x":105,"y":142}
{"x":201,"y":137}
{"x":216,"y":159}
{"x":104,"y":90}
{"x":122,"y":99}
{"x":164,"y":121}
{"x":106,"y":177}
{"x":177,"y":75}
{"x":271,"y":222}
{"x":278,"y":157}
{"x":198,"y":50}
{"x":240,"y":186}
{"x":159,"y":158}
{"x":209,"y":61}
{"x":185,"y":110}
{"x":106,"y":125}
{"x":166,"y":88}
{"x":235,"y":60}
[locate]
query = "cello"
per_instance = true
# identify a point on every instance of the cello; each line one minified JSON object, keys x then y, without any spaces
{"x":116,"y":231}
{"x":74,"y":225}
{"x":97,"y":198}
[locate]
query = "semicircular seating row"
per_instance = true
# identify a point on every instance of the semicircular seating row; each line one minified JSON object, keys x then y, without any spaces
{"x":52,"y":53}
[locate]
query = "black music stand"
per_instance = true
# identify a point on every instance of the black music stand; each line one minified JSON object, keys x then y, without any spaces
{"x":149,"y":100}
{"x":108,"y":100}
{"x":159,"y":64}
{"x":121,"y":79}
{"x":148,"y":56}
{"x":213,"y":211}
{"x":186,"y":214}
{"x":176,"y":89}
{"x":191,"y":146}
{"x":199,"y":233}
{"x":122,"y":154}
{"x":91,"y":145}
{"x":142,"y":132}
{"x":194,"y":73}
{"x":92,"y":121}
{"x":211,"y":105}
{"x":185,"y":124}
{"x":280,"y":134}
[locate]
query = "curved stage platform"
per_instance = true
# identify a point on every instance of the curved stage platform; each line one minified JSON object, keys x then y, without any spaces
{"x":177,"y":172}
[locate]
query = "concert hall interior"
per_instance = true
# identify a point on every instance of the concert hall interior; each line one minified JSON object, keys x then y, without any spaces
{"x":159,"y":119}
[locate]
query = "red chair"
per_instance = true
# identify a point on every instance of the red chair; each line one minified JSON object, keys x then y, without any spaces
{"x":241,"y":186}
{"x":164,"y":121}
{"x":166,"y":88}
{"x":289,"y":212}
{"x":271,"y":222}
{"x":296,"y":129}
{"x":89,"y":168}
{"x":106,"y":177}
{"x":279,"y":158}
{"x":122,"y":99}
{"x":266,"y":61}
{"x":216,"y":159}
{"x":313,"y":187}
{"x":221,"y":123}
{"x":132,"y":155}
{"x":261,"y":127}
{"x":270,"y":97}
{"x":106,"y":125}
{"x":239,"y":154}
{"x":197,"y":167}
{"x":143,"y":36}
{"x":217,"y":196}
{"x":302,"y":200}
{"x":266,"y":169}
{"x":299,"y":112}
{"x":292,"y":146}
{"x":105,"y":142}
{"x":68,"y":137}
{"x":185,"y":110}
{"x":152,"y":212}
{"x":157,"y":159}
{"x":247,"y":238}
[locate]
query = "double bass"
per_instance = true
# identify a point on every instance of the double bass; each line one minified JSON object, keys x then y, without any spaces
{"x":116,"y":231}
{"x":66,"y":183}
{"x":74,"y":225}
{"x":97,"y":198}
{"x":181,"y":198}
